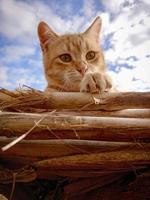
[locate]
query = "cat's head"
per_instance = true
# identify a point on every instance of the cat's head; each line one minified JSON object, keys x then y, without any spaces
{"x":68,"y":57}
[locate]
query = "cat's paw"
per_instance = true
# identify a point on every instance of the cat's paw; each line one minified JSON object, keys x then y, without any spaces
{"x":95,"y":82}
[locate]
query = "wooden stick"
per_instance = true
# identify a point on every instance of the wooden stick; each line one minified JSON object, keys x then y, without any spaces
{"x":120,"y":160}
{"x":20,"y":161}
{"x":82,"y":186}
{"x":73,"y":173}
{"x":105,"y":101}
{"x":58,"y":147}
{"x":84,"y":101}
{"x":21,"y":122}
{"x":129,"y":113}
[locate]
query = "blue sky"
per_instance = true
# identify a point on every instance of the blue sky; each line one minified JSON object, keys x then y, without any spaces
{"x":125,"y":38}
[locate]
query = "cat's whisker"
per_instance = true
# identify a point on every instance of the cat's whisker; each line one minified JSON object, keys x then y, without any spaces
{"x":65,"y":85}
{"x":71,"y":72}
{"x":73,"y":76}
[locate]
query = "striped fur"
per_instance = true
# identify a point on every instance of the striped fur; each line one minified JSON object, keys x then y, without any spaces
{"x":79,"y":74}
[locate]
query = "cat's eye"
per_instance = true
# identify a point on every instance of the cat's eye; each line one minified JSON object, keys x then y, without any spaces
{"x":65,"y":57}
{"x":90,"y":55}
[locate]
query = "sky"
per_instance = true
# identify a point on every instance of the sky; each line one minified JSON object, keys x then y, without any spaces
{"x":125,"y":38}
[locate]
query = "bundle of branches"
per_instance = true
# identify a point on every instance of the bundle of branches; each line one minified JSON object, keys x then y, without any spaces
{"x":77,"y":136}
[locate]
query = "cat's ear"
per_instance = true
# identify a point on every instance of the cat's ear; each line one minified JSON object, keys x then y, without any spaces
{"x":46,"y":35}
{"x":94,"y":29}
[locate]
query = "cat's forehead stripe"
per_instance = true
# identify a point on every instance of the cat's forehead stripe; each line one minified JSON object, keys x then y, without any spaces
{"x":75,"y":43}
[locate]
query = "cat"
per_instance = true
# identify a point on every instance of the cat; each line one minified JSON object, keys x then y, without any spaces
{"x":74,"y":62}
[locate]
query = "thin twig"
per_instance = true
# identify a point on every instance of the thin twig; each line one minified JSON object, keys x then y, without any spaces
{"x":8,"y":146}
{"x":69,"y":145}
{"x":13,"y":186}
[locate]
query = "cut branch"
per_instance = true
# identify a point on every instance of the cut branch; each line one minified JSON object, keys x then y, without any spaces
{"x":107,"y":161}
{"x":129,"y":113}
{"x":20,"y":122}
{"x":59,"y":147}
{"x":85,"y":101}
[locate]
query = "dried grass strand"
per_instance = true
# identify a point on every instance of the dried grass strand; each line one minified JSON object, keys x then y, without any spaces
{"x":11,"y":144}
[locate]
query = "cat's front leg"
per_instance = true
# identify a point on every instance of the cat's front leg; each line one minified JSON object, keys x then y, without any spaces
{"x":95,"y":82}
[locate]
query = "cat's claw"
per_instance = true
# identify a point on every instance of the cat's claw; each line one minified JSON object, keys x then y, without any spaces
{"x":95,"y":82}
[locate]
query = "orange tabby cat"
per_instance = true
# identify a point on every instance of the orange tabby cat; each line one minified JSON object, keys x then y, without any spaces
{"x":74,"y":62}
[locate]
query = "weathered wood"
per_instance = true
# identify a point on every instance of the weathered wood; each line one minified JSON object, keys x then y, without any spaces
{"x":13,"y":162}
{"x":135,"y":187}
{"x":81,"y":127}
{"x":21,"y":175}
{"x":60,"y":147}
{"x":129,"y":113}
{"x":93,"y":134}
{"x":21,"y":122}
{"x":72,"y":173}
{"x":84,"y":101}
{"x":105,"y":101}
{"x":119,"y":160}
{"x":82,"y":186}
{"x":18,"y":162}
{"x":131,"y":186}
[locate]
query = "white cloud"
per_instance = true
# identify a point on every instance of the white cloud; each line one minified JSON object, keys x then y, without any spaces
{"x":14,"y":53}
{"x":36,"y":63}
{"x":4,"y":82}
{"x":130,"y":38}
{"x":15,"y":77}
{"x":17,"y":20}
{"x":132,"y":79}
{"x":123,"y":79}
{"x":88,"y":8}
{"x":146,"y":2}
{"x":105,"y":16}
{"x":115,"y":6}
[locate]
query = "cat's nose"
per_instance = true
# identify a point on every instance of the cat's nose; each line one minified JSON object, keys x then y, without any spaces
{"x":82,"y":70}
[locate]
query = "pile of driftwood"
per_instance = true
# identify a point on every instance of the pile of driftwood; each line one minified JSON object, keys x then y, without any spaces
{"x":89,"y":146}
